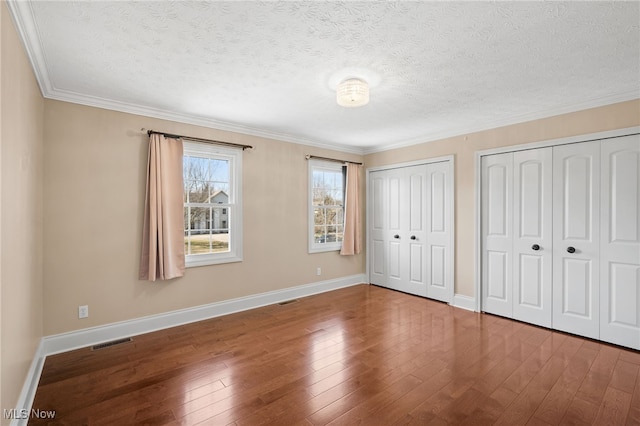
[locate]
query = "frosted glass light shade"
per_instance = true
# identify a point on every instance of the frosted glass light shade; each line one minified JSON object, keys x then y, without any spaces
{"x":352,"y":93}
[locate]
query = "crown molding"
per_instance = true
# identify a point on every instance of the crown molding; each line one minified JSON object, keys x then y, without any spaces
{"x":630,"y":95}
{"x":23,"y":19}
{"x":130,"y":108}
{"x":145,"y":111}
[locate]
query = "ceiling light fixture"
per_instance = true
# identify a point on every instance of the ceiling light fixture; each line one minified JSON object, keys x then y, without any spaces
{"x":352,"y":93}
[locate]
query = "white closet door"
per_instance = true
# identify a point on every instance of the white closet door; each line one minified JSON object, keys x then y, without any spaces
{"x":439,"y":281}
{"x":532,"y":236}
{"x":576,"y":240}
{"x":398,"y":213}
{"x":395,"y":258}
{"x":497,"y":231}
{"x":413,"y":234}
{"x":377,"y":228}
{"x":410,"y":230}
{"x":620,"y":242}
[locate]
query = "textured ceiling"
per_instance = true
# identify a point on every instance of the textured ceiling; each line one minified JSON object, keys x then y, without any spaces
{"x":270,"y":68}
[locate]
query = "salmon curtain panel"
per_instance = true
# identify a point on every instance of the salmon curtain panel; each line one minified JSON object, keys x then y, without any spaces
{"x":162,"y":255}
{"x":351,"y":243}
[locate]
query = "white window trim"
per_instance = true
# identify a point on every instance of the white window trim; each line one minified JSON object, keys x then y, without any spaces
{"x":235,"y":204}
{"x":313,"y":246}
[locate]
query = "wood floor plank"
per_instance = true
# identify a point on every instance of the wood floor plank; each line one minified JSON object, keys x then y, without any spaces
{"x":597,"y":379}
{"x":491,"y":408}
{"x":634,"y":408}
{"x":624,"y":376}
{"x":358,"y":355}
{"x":580,"y":412}
{"x":559,"y":397}
{"x":363,"y":393}
{"x":614,"y":408}
{"x":412,"y":399}
{"x":377,"y":401}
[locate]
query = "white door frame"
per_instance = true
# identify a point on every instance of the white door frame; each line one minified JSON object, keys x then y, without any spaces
{"x":451,"y":253}
{"x":478,"y":186}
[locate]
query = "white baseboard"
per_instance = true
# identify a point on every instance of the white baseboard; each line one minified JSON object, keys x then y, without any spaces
{"x":464,"y":302}
{"x":25,"y":400}
{"x":90,"y":336}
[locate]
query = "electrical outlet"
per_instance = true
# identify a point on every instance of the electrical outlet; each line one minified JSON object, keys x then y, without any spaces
{"x":83,"y":311}
{"x":318,"y":271}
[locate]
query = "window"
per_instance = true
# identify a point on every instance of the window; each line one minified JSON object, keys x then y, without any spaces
{"x":212,"y":204}
{"x":326,"y":206}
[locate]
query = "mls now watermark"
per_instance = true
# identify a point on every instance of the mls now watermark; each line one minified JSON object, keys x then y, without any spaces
{"x":23,"y":413}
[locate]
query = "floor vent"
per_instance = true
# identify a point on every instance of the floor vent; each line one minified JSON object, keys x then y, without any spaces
{"x":286,"y":302}
{"x":111,"y":343}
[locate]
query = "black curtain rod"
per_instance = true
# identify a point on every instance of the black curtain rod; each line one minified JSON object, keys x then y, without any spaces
{"x":190,"y":138}
{"x":309,"y":157}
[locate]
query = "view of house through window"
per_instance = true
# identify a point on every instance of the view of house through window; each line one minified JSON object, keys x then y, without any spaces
{"x":327,"y":188}
{"x":206,"y":204}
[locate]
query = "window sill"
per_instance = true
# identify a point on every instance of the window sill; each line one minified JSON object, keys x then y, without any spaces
{"x":325,"y":249}
{"x":205,"y":260}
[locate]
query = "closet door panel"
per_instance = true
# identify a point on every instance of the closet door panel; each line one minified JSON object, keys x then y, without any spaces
{"x":576,"y":238}
{"x":438,"y":277}
{"x":497,"y":225}
{"x":529,"y":288}
{"x":498,"y":282}
{"x":414,"y":234}
{"x":396,"y":259}
{"x":377,"y":264}
{"x":377,"y":234}
{"x":577,"y":287}
{"x":532,"y":243}
{"x":416,"y":272}
{"x":439,"y":231}
{"x":393,"y":203}
{"x":620,"y":239}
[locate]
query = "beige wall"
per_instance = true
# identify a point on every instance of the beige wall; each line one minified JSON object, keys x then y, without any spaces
{"x":94,"y":168}
{"x":617,"y":116}
{"x":94,"y":187}
{"x":21,"y":177}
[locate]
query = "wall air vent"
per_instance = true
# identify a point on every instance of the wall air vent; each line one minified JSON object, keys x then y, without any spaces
{"x":111,"y":343}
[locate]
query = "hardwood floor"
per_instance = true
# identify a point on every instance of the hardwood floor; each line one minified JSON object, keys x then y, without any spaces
{"x":360,"y":355}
